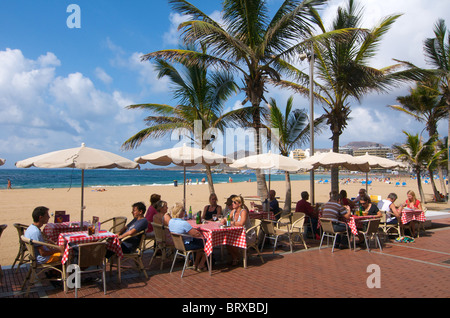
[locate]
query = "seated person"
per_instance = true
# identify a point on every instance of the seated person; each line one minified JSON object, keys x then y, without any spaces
{"x":361,"y":192}
{"x":304,"y":206}
{"x":239,"y":217}
{"x":212,"y":208}
{"x":345,"y":200}
{"x":151,"y":212}
{"x":179,"y":226}
{"x":392,"y":214}
{"x":138,"y":224}
{"x":44,"y":254}
{"x":163,"y":217}
{"x":229,"y":205}
{"x":273,"y":205}
{"x":336,"y":212}
{"x":368,"y":207}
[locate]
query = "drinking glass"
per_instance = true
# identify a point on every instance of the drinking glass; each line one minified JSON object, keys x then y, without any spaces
{"x":214,"y":217}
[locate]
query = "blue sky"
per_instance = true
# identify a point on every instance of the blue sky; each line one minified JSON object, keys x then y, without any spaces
{"x":60,"y":87}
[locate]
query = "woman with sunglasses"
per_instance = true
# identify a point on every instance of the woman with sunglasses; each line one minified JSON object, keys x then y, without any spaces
{"x":239,"y":217}
{"x":368,"y":207}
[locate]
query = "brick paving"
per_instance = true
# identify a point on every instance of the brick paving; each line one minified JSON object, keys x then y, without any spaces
{"x":407,"y":270}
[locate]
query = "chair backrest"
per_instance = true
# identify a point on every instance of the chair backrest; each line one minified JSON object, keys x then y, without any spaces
{"x":178,"y":241}
{"x":21,"y":228}
{"x":30,"y":247}
{"x":268,"y":227}
{"x":160,"y":234}
{"x":91,"y":254}
{"x":327,"y":225}
{"x":298,"y":219}
{"x":119,"y":223}
{"x":372,"y":226}
{"x":2,"y":228}
{"x":383,"y":216}
{"x":257,"y":226}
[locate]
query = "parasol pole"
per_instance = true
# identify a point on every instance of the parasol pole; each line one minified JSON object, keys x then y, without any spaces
{"x":82,"y":198}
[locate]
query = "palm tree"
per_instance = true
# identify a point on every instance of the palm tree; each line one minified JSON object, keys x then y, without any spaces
{"x":417,"y":154}
{"x":201,"y":96}
{"x":426,"y":105}
{"x":292,"y":131}
{"x":437,"y":53}
{"x":344,"y":72}
{"x":249,"y":43}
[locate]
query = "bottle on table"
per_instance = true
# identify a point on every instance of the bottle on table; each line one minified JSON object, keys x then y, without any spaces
{"x":190,"y":213}
{"x":229,"y":219}
{"x":198,"y":218}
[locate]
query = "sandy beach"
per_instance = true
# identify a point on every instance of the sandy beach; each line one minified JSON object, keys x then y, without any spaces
{"x":16,"y":205}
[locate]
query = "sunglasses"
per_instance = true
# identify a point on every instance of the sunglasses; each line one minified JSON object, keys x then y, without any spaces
{"x":236,"y":202}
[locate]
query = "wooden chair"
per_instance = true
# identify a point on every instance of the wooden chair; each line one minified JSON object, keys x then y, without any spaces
{"x":115,"y":224}
{"x":89,"y":255}
{"x":37,"y":269}
{"x":371,"y":231}
{"x":257,"y":228}
{"x":178,"y":241}
{"x":328,"y":231}
{"x":389,"y":228}
{"x":2,"y":228}
{"x":297,"y":227}
{"x":135,"y":256}
{"x":23,"y":257}
{"x":273,"y":230}
{"x":161,"y":244}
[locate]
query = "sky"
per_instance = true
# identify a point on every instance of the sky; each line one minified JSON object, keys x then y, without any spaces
{"x":67,"y":75}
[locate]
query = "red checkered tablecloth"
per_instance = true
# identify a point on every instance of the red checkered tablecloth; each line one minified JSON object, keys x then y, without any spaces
{"x":356,"y":222}
{"x":215,"y":236}
{"x":412,"y":215}
{"x":52,"y":230}
{"x":261,"y":215}
{"x":82,"y":237}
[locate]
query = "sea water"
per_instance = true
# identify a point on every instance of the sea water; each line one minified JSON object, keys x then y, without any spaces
{"x":34,"y":178}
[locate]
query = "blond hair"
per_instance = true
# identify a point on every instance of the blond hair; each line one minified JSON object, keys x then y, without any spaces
{"x":177,"y":209}
{"x":239,"y":199}
{"x":413,"y":194}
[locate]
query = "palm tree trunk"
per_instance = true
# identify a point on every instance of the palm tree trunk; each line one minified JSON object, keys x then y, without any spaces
{"x":419,"y":186}
{"x":262,"y":190}
{"x":442,"y":181}
{"x":433,"y":185}
{"x":288,"y":199}
{"x":210,"y":180}
{"x":335,"y":171}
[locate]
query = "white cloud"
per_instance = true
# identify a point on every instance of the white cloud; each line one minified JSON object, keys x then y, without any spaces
{"x":103,"y":76}
{"x":172,"y":37}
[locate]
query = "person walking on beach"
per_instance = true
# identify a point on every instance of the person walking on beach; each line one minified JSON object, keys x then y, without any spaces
{"x":9,"y":184}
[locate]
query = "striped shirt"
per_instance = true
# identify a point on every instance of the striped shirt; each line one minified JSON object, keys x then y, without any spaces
{"x":333,"y":211}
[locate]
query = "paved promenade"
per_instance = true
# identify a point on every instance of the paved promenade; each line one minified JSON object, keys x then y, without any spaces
{"x":406,"y":270}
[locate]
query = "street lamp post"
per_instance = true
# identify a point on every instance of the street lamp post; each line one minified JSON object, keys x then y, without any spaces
{"x":311,"y":114}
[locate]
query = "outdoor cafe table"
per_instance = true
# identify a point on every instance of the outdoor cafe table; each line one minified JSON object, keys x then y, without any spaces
{"x":113,"y":242}
{"x":215,"y":236}
{"x":53,"y":230}
{"x":412,"y":215}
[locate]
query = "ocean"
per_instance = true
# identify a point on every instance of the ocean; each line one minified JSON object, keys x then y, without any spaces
{"x":34,"y":178}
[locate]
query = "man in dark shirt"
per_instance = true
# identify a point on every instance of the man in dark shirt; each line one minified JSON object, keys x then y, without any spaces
{"x":304,"y":206}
